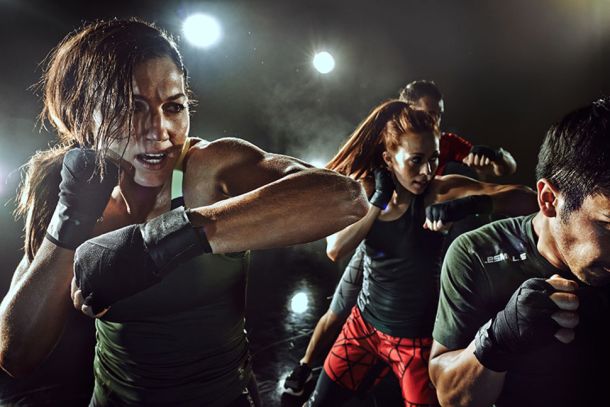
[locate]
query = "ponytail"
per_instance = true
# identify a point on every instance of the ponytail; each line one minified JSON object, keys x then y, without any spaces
{"x":380,"y":131}
{"x":37,"y":195}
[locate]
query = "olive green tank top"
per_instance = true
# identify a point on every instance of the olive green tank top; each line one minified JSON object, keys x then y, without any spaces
{"x":180,"y":342}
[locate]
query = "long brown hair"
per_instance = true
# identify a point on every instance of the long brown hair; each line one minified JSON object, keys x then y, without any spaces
{"x":88,"y":100}
{"x":380,"y":131}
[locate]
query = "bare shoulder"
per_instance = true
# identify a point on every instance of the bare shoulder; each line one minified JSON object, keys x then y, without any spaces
{"x":444,"y":187}
{"x":223,"y":152}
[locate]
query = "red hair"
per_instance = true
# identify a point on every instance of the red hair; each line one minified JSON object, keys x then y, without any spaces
{"x":379,"y":132}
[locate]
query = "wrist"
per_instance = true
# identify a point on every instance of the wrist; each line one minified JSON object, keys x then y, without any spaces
{"x":380,"y":199}
{"x":487,"y":350}
{"x":68,"y":228}
{"x":170,"y":238}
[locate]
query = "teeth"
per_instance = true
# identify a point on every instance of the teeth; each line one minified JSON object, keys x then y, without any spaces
{"x":153,"y":158}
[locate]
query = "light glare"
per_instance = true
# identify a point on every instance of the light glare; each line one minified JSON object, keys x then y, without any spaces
{"x":201,"y":30}
{"x":324,"y":62}
{"x":299,"y":303}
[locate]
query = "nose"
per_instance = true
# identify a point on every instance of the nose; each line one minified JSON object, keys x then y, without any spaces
{"x":156,"y":127}
{"x":426,"y":168}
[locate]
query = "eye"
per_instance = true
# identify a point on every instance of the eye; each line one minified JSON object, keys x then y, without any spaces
{"x":138,"y":106}
{"x":416,"y":160}
{"x":174,"y":107}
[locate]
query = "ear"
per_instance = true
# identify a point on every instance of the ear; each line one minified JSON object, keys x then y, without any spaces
{"x":387,"y":159}
{"x":547,"y":198}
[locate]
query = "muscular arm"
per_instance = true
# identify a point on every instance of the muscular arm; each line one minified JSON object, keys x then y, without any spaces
{"x":246,"y":198}
{"x":510,"y":200}
{"x":460,"y":380}
{"x":346,"y":240}
{"x":34,"y":311}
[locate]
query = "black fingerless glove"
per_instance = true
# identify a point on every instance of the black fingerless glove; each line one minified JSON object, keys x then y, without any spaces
{"x":524,"y":325}
{"x":83,"y":196}
{"x":120,"y":263}
{"x":494,"y":154}
{"x":457,"y":209}
{"x":384,"y":188}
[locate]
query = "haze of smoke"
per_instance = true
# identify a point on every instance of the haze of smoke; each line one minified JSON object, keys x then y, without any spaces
{"x":301,"y":125}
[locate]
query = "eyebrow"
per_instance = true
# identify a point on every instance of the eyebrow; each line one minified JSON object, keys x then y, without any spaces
{"x":437,"y":152}
{"x":173,"y":97}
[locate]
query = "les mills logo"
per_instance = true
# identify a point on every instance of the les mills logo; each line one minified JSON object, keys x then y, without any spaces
{"x":504,"y":257}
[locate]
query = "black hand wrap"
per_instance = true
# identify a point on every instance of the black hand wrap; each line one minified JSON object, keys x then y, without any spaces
{"x":120,"y":263}
{"x":524,"y":325}
{"x":456,"y":209}
{"x":494,"y":154}
{"x":384,"y":188}
{"x":83,"y":195}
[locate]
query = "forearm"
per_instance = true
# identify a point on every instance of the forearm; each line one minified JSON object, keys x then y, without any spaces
{"x":33,"y":313}
{"x":346,"y":240}
{"x":460,"y":380}
{"x":297,"y":208}
{"x":505,"y":164}
{"x":514,"y":200}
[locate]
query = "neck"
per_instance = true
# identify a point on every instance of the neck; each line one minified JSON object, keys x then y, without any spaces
{"x":139,"y":201}
{"x":401,"y":195}
{"x":546,"y":244}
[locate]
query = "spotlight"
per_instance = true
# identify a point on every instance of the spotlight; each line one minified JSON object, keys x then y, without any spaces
{"x":324,"y":62}
{"x":201,"y":30}
{"x":299,"y":303}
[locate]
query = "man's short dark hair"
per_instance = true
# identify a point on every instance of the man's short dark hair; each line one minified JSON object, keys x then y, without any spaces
{"x":418,"y":89}
{"x":575,"y":154}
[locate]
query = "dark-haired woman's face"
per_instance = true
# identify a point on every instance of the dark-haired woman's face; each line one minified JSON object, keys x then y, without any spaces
{"x":160,"y":122}
{"x":414,"y":161}
{"x":431,"y":106}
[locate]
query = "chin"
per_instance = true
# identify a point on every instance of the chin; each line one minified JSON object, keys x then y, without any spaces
{"x":150,"y":182}
{"x":417,"y":189}
{"x":595,"y":277}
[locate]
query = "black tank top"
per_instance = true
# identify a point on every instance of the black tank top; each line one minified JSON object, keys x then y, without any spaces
{"x":399,"y":295}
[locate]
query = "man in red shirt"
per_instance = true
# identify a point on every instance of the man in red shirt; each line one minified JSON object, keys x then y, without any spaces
{"x":487,"y":161}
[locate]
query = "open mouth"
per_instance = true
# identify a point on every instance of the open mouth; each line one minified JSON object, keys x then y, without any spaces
{"x":152,"y":161}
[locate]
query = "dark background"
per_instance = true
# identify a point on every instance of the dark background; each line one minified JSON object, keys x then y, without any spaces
{"x":508,"y":69}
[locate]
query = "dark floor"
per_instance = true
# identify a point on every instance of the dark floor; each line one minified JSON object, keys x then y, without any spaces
{"x":278,"y":336}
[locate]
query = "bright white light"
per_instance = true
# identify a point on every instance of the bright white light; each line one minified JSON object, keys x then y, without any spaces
{"x":299,"y":303}
{"x":201,"y":30}
{"x":316,"y":162}
{"x":324,"y":62}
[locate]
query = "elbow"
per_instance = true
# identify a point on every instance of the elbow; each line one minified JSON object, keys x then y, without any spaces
{"x":452,"y":399}
{"x":445,"y":392}
{"x":15,"y":363}
{"x":359,"y":204}
{"x":333,"y":253}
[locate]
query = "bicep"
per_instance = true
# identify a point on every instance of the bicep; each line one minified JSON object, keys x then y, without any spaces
{"x":457,"y":186}
{"x":438,"y":349}
{"x":461,"y":302}
{"x":20,"y":271}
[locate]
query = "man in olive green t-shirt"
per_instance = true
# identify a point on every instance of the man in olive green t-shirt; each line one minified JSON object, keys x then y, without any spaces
{"x":522,"y":317}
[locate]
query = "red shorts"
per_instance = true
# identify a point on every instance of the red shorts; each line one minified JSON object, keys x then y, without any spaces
{"x":360,"y":347}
